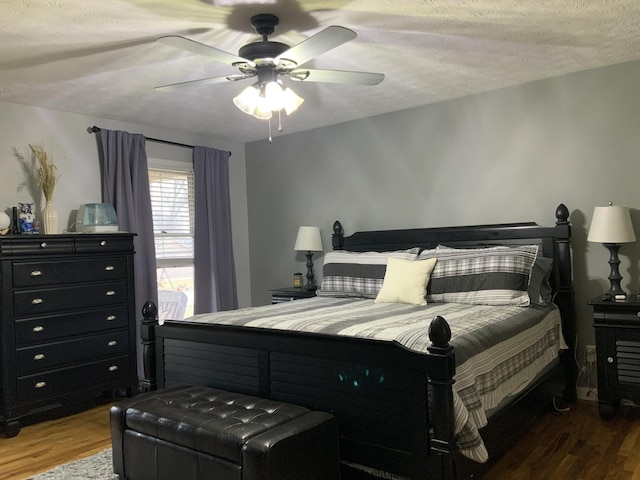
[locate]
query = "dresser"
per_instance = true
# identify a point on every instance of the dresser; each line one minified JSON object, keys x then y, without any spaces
{"x":617,"y":331}
{"x":67,"y":327}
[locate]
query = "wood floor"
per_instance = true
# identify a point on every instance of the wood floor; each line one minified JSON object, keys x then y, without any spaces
{"x":574,"y":445}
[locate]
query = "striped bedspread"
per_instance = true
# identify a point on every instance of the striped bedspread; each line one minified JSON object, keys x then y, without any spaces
{"x":499,"y":350}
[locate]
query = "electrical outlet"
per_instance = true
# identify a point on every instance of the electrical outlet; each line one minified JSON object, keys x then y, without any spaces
{"x":590,"y":352}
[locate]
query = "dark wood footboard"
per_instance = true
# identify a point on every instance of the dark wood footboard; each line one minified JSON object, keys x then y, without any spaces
{"x":378,"y":390}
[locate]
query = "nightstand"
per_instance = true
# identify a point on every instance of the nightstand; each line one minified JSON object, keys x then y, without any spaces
{"x":617,"y":331}
{"x":288,"y":294}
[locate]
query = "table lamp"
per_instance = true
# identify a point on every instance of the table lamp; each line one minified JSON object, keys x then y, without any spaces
{"x":309,"y":241}
{"x":612,"y":226}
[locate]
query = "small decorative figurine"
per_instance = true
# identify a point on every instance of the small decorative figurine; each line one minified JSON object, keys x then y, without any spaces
{"x":26,"y":217}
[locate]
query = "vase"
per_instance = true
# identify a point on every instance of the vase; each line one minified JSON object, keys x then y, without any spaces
{"x":49,"y":219}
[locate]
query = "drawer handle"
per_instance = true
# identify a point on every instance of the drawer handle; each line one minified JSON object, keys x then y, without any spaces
{"x":36,"y":273}
{"x":103,"y":243}
{"x":109,"y":268}
{"x":41,"y":384}
{"x":37,"y":301}
{"x":638,"y":314}
{"x":38,"y":356}
{"x":38,"y":328}
{"x":609,"y":359}
{"x":110,"y":293}
{"x":111,"y":318}
{"x":43,"y":244}
{"x":112,"y":343}
{"x":113,"y":368}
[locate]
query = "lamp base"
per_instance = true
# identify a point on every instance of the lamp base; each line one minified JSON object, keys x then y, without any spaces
{"x":311,"y":285}
{"x":614,"y":277}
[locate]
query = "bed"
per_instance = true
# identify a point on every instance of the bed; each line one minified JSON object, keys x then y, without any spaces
{"x":404,"y":386}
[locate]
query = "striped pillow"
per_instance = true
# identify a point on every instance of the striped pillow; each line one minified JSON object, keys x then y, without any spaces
{"x":485,"y":276}
{"x":357,"y":274}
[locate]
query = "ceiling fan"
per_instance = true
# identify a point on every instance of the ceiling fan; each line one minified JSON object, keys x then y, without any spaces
{"x":268,"y":61}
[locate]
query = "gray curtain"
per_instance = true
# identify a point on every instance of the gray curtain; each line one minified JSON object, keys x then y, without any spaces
{"x":125,"y":184}
{"x":214,"y":270}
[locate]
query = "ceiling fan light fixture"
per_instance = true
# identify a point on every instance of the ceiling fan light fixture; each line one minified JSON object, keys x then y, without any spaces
{"x":262,"y":109}
{"x":274,"y":95}
{"x":291,"y":101}
{"x":247,"y":99}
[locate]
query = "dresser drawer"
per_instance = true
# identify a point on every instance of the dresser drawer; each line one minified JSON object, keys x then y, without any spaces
{"x":39,"y":330}
{"x":34,"y":274}
{"x":103,"y":243}
{"x":91,"y":376}
{"x":80,"y":350}
{"x":38,"y":245}
{"x":37,"y":302}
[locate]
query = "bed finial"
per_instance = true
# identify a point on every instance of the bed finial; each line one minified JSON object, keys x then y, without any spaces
{"x":338,"y":236}
{"x":562,"y":215}
{"x":439,"y":332}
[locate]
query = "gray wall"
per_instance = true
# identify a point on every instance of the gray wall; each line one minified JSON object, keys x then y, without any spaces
{"x":75,"y":154}
{"x":503,"y":156}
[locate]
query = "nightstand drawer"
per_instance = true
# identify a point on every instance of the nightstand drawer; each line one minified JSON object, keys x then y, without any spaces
{"x":40,"y":330}
{"x":93,"y":376}
{"x":34,"y":274}
{"x":37,"y":302}
{"x":51,"y":355}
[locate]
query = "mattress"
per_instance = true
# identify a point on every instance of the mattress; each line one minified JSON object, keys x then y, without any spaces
{"x":499,"y":349}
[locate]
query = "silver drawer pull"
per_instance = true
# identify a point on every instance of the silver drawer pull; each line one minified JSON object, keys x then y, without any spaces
{"x":109,"y":268}
{"x":37,"y":301}
{"x":112,"y":343}
{"x":113,"y":368}
{"x":36,"y":273}
{"x":38,"y":328}
{"x":40,"y":384}
{"x":609,"y":359}
{"x":110,"y":293}
{"x":111,"y":318}
{"x":38,"y":356}
{"x":103,"y":243}
{"x":43,"y":244}
{"x":638,"y":314}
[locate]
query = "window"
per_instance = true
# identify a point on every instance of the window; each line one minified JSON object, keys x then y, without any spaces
{"x":172,"y":204}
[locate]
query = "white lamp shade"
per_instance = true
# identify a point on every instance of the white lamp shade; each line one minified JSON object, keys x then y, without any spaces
{"x":308,"y":240}
{"x":611,"y":224}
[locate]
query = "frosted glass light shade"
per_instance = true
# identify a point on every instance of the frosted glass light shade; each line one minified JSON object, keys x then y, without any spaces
{"x":611,"y":224}
{"x":247,"y":99}
{"x":291,"y":101}
{"x":308,"y":240}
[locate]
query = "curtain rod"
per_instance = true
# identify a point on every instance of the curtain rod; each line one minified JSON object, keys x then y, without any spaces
{"x":95,"y":129}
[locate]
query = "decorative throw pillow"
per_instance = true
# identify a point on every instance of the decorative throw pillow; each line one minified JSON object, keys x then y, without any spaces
{"x":357,"y":274}
{"x":486,"y":276}
{"x":405,"y":281}
{"x":540,"y":292}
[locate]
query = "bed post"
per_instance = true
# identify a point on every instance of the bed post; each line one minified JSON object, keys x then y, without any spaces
{"x":441,"y":367}
{"x":148,"y":336}
{"x":337,"y":238}
{"x":565,"y":298}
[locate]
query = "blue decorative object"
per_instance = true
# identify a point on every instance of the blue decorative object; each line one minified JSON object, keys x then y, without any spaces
{"x":26,"y":217}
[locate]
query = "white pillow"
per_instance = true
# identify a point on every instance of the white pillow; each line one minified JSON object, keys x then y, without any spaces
{"x":405,"y":281}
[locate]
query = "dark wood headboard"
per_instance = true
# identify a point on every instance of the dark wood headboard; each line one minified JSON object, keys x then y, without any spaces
{"x":555,"y":243}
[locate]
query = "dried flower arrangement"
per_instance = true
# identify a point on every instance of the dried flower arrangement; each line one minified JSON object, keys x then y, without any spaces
{"x":45,"y":171}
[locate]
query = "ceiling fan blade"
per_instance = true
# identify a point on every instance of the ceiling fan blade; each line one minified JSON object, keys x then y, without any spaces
{"x":198,"y":48}
{"x":203,"y":81}
{"x":336,"y":76}
{"x":321,"y":42}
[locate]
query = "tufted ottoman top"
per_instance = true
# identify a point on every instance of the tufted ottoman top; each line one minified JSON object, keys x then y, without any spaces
{"x":208,"y":420}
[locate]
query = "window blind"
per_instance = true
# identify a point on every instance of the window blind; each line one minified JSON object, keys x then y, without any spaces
{"x":173,"y":206}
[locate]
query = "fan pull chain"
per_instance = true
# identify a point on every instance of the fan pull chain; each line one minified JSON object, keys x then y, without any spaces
{"x":270,"y":139}
{"x":280,"y":120}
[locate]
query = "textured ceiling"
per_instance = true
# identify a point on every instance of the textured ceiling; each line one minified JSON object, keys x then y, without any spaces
{"x":100,"y":58}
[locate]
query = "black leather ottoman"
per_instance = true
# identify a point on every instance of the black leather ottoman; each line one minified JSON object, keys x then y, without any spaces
{"x":197,"y":433}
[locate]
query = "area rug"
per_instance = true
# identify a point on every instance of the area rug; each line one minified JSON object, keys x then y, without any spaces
{"x":95,"y":467}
